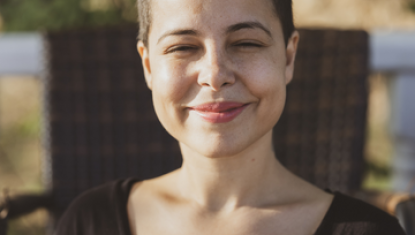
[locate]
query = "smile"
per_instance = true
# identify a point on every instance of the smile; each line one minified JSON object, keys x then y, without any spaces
{"x":219,"y":112}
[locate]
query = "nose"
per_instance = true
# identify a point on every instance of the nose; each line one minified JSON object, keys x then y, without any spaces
{"x":215,"y":70}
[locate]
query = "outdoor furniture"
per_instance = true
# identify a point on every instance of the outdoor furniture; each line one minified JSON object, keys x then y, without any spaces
{"x":320,"y":135}
{"x":101,"y":124}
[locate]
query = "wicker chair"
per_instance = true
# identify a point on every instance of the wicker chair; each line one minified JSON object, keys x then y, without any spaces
{"x":102,"y":125}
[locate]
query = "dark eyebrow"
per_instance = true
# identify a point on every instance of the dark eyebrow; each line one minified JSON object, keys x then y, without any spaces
{"x":178,"y":32}
{"x":248,"y":25}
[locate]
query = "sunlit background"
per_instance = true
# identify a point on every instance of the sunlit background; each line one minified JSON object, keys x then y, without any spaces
{"x":21,"y":146}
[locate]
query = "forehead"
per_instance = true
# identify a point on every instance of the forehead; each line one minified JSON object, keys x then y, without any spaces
{"x":210,"y":14}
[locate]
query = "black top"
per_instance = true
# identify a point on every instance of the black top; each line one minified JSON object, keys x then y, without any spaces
{"x":103,"y":211}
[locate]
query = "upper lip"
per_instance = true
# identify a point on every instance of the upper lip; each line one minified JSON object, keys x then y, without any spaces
{"x":217,"y":107}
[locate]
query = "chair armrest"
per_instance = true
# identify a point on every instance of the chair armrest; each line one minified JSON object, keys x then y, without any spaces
{"x":12,"y":207}
{"x":386,"y":201}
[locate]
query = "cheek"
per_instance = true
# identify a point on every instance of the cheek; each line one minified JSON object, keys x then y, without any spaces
{"x":170,"y":82}
{"x":265,"y":79}
{"x":171,"y":89}
{"x":264,"y":76}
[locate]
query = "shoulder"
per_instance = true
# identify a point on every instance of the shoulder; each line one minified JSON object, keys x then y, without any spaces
{"x":348,"y":215}
{"x":349,"y":208}
{"x":100,"y":208}
{"x":103,"y":196}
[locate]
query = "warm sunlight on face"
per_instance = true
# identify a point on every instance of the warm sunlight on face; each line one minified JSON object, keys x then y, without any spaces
{"x":218,"y":71}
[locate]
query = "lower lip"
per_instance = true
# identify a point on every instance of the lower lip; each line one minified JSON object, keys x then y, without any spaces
{"x":220,"y":117}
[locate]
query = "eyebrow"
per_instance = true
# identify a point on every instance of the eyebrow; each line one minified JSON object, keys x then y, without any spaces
{"x":178,"y":32}
{"x":248,"y":25}
{"x":230,"y":29}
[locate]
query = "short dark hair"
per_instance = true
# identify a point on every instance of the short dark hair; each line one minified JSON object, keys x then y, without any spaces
{"x":283,"y":10}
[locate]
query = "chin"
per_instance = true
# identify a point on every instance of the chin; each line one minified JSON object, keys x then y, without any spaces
{"x":220,"y":153}
{"x":216,"y":148}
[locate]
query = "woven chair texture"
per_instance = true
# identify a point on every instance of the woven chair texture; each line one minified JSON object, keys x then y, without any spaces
{"x":321,"y":133}
{"x":102,"y":124}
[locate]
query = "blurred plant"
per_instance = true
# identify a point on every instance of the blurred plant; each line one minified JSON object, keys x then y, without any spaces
{"x":411,"y":5}
{"x":24,"y":15}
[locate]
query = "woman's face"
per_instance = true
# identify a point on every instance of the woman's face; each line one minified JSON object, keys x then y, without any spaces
{"x":217,"y":70}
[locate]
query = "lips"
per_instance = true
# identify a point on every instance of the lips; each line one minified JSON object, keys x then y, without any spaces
{"x":219,"y":112}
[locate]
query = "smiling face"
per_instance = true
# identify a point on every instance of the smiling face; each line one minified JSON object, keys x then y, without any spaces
{"x":217,"y":70}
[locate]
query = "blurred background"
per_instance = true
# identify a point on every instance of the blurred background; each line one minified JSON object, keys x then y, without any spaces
{"x":21,"y":95}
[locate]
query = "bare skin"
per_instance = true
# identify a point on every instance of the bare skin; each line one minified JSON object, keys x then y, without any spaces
{"x":230,"y":181}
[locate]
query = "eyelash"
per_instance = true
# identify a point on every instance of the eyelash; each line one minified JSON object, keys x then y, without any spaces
{"x":180,"y":49}
{"x":248,"y":44}
{"x":191,"y":48}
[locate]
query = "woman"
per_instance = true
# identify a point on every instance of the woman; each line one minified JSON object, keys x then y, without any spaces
{"x":218,"y":71}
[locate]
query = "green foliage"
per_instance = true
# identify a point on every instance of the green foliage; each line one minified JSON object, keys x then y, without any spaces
{"x":25,"y":15}
{"x":412,"y":6}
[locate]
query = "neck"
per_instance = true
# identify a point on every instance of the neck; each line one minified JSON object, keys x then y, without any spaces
{"x":226,"y":183}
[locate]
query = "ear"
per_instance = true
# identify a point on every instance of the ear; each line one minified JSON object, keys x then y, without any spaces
{"x":145,"y":59}
{"x":290,"y":55}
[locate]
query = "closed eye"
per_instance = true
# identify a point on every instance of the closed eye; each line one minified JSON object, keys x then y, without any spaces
{"x":248,"y":44}
{"x":180,"y":49}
